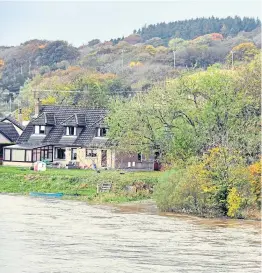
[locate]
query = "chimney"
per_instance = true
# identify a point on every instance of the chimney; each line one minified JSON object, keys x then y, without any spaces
{"x":20,"y":117}
{"x":37,"y":107}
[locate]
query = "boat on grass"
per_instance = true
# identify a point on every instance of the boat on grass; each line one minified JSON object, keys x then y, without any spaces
{"x":46,"y":194}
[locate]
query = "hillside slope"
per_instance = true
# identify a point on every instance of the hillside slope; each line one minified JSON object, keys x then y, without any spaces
{"x":137,"y":61}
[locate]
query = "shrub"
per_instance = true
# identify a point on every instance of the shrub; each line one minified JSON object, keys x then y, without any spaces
{"x":255,"y":179}
{"x":217,"y":184}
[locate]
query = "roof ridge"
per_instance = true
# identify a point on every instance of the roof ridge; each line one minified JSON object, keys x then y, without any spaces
{"x":14,"y":121}
{"x":74,"y":106}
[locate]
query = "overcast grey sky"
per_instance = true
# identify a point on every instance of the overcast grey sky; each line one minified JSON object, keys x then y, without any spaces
{"x":79,"y":22}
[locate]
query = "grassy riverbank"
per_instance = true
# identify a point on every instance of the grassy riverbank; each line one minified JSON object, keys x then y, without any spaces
{"x":82,"y":185}
{"x":76,"y":184}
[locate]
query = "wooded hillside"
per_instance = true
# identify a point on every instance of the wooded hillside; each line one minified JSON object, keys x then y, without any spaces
{"x":135,"y":62}
{"x":187,"y":92}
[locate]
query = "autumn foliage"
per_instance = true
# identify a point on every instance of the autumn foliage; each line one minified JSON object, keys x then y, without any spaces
{"x":135,"y":64}
{"x":245,"y":51}
{"x":217,"y":36}
{"x":255,"y":178}
{"x":217,"y":184}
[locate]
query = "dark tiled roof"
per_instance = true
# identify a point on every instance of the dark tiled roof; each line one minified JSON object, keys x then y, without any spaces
{"x":36,"y":139}
{"x":75,"y":120}
{"x":50,"y":118}
{"x":68,"y":141}
{"x":71,"y":121}
{"x":14,"y":121}
{"x":99,"y":142}
{"x":81,"y":119}
{"x":24,"y":137}
{"x":65,"y":116}
{"x":100,"y":123}
{"x":8,"y":130}
{"x":40,"y":120}
{"x":44,"y":119}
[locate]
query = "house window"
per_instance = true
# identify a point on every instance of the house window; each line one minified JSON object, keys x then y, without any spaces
{"x":43,"y":153}
{"x":18,"y":155}
{"x":39,"y":129}
{"x":42,"y":129}
{"x":91,"y":153}
{"x":139,"y":157}
{"x":73,"y":154}
{"x":28,"y":155}
{"x":7,"y":155}
{"x":101,"y":132}
{"x":70,"y":131}
{"x":59,"y":153}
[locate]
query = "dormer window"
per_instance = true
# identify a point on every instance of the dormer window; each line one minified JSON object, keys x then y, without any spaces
{"x":40,"y":129}
{"x":101,"y":132}
{"x":70,"y":131}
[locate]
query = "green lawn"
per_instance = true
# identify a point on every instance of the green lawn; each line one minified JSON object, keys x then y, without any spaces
{"x":71,"y":182}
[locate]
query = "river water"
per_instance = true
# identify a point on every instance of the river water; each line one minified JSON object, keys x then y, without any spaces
{"x":50,"y":236}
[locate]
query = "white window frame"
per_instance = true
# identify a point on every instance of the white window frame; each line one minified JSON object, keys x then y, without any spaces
{"x":28,"y":155}
{"x":67,"y":131}
{"x":99,"y":131}
{"x":42,"y":128}
{"x":39,"y":128}
{"x":7,"y":154}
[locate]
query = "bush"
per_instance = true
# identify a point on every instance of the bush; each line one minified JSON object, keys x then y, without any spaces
{"x":218,"y":184}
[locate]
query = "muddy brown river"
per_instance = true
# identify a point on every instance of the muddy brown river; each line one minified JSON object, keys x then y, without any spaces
{"x":57,"y":236}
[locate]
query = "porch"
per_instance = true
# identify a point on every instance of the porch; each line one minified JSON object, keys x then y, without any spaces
{"x":18,"y":154}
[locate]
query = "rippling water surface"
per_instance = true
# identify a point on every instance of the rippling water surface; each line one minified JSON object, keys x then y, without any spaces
{"x":48,"y":236}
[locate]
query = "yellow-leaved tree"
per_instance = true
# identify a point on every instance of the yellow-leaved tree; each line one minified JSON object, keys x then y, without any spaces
{"x":255,"y":178}
{"x":244,"y":52}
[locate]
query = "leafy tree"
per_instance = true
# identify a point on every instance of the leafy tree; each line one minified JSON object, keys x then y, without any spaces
{"x":255,"y":173}
{"x":94,"y":42}
{"x":189,"y":29}
{"x":44,"y":69}
{"x":135,"y":64}
{"x":177,"y":43}
{"x":92,"y":89}
{"x":150,"y":49}
{"x":244,"y":52}
{"x":56,"y":52}
{"x":155,"y":42}
{"x":197,"y":111}
{"x":216,"y":184}
{"x":133,"y":39}
{"x":63,"y":65}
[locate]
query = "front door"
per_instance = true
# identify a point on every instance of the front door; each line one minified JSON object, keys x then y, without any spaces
{"x":73,"y":154}
{"x":104,"y":158}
